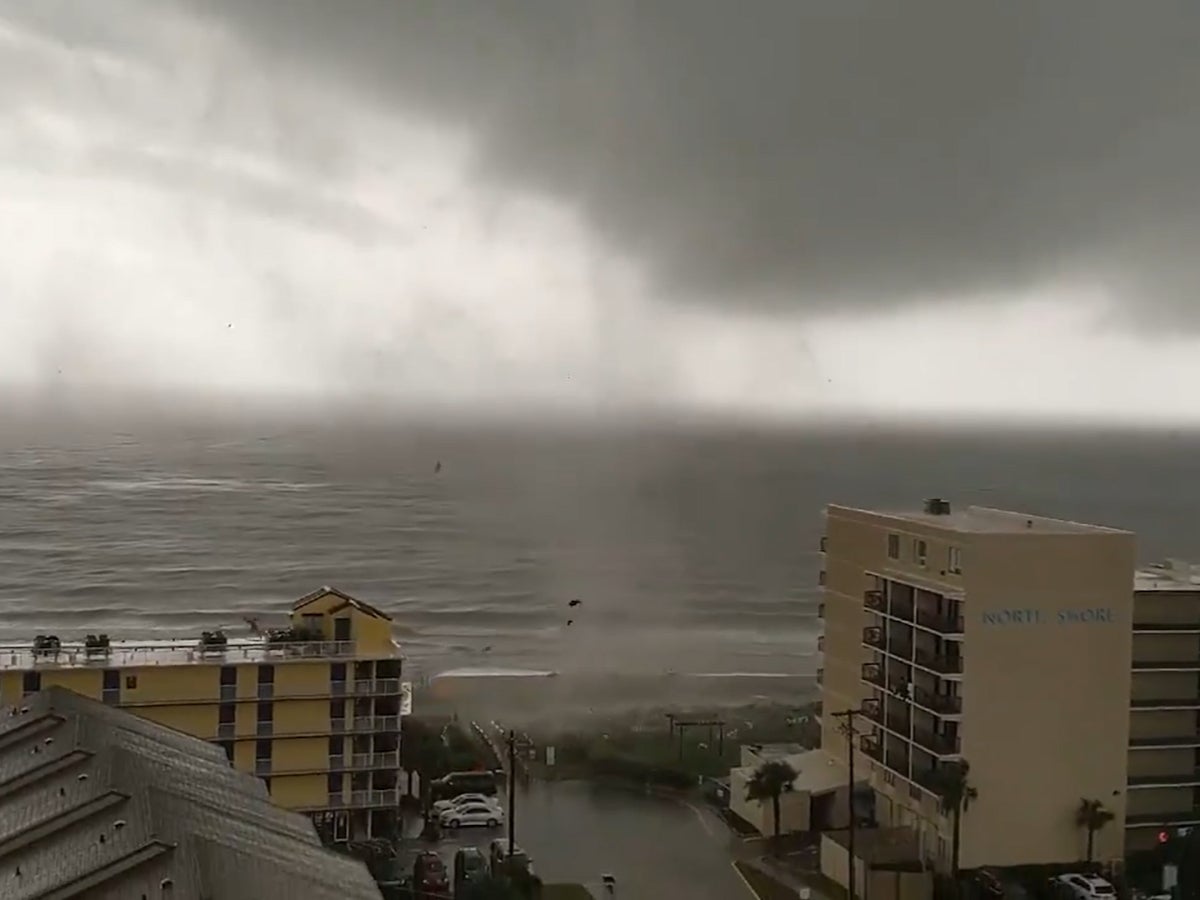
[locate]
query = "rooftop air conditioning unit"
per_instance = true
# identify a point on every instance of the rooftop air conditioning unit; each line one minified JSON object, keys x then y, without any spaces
{"x":936,"y":506}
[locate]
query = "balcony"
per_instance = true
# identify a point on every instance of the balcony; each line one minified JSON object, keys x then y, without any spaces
{"x":262,"y":767}
{"x":265,"y":729}
{"x":266,"y":691}
{"x":1167,"y":703}
{"x":1192,"y":740}
{"x":364,"y":723}
{"x":226,"y":731}
{"x":875,"y":637}
{"x":940,"y":663}
{"x":1188,"y":817}
{"x":386,"y":797}
{"x":228,"y":692}
{"x":820,"y":643}
{"x":875,"y":601}
{"x":939,"y":703}
{"x":821,"y":676}
{"x":898,"y":723}
{"x":873,"y":710}
{"x":1157,"y":665}
{"x":1183,"y":779}
{"x":1166,"y":627}
{"x":872,"y":673}
{"x":385,"y":759}
{"x":928,"y":779}
{"x":942,"y":624}
{"x":337,"y":725}
{"x":387,"y":686}
{"x":337,"y":688}
{"x":902,"y":609}
{"x":872,"y":747}
{"x":820,"y":610}
{"x":937,"y":744}
{"x":824,"y":544}
{"x":364,"y":687}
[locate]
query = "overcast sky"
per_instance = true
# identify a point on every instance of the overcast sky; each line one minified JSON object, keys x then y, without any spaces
{"x":767,"y":207}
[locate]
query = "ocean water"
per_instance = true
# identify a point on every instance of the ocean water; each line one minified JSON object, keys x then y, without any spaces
{"x":691,"y":549}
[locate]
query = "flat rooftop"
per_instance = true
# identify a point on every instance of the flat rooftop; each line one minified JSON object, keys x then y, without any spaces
{"x":983,"y":519}
{"x":180,"y":652}
{"x":1172,"y":575}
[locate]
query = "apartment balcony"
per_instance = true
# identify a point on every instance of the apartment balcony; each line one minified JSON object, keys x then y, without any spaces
{"x":821,"y":676}
{"x":262,"y":767}
{"x":873,"y":710}
{"x":940,"y":663}
{"x":823,"y":545}
{"x":364,"y":723}
{"x":898,"y":723}
{"x":1144,"y":743}
{"x":942,"y":704}
{"x":820,"y":610}
{"x":937,"y":744}
{"x":226,"y":731}
{"x":1182,"y":817}
{"x":1166,"y":627}
{"x":1167,"y":703}
{"x":1182,"y":779}
{"x":928,"y":779}
{"x":1158,"y":665}
{"x":875,"y":637}
{"x":901,"y":609}
{"x":387,"y":686}
{"x":942,"y":624}
{"x":872,"y":673}
{"x":820,"y":643}
{"x":364,"y":686}
{"x":387,"y":797}
{"x":872,"y":747}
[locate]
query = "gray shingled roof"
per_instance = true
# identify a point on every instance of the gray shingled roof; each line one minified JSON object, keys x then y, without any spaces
{"x":101,"y":800}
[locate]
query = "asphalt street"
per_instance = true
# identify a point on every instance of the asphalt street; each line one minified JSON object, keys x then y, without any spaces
{"x":655,"y":846}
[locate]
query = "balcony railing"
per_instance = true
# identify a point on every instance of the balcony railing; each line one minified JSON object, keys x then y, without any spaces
{"x":820,"y":643}
{"x":1157,"y":665}
{"x":873,"y":710}
{"x":820,"y":610}
{"x":871,"y":747}
{"x":876,"y":601}
{"x":875,"y":636}
{"x":226,"y":730}
{"x":938,"y":744}
{"x":898,"y":723}
{"x":387,"y":723}
{"x":940,"y":663}
{"x":928,"y":779}
{"x":364,"y":686}
{"x":337,"y":688}
{"x":1167,"y":703}
{"x":337,"y":724}
{"x":360,"y":760}
{"x":387,"y":797}
{"x":387,"y":685}
{"x":872,"y":673}
{"x":1183,"y":817}
{"x":939,"y":703}
{"x":942,"y":624}
{"x":364,"y":723}
{"x":385,"y":759}
{"x":1180,"y":741}
{"x":1151,"y":627}
{"x":266,"y":691}
{"x":1183,"y":779}
{"x":265,"y":729}
{"x":902,"y":609}
{"x":228,"y":692}
{"x":821,"y":676}
{"x":262,"y":767}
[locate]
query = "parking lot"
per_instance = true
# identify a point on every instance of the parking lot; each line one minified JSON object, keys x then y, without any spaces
{"x":654,"y":846}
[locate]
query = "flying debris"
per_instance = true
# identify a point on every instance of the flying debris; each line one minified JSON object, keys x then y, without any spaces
{"x":574,"y":603}
{"x":437,"y":468}
{"x":487,"y":648}
{"x":570,"y":621}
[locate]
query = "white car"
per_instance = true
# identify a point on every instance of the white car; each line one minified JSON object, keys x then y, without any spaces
{"x":1088,"y":887}
{"x":472,"y":814}
{"x":462,"y":800}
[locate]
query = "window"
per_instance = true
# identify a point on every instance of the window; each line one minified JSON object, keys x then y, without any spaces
{"x":336,"y":745}
{"x":31,"y":682}
{"x":920,"y":552}
{"x":266,"y":674}
{"x":228,"y":675}
{"x":335,"y":782}
{"x":266,"y":711}
{"x":954,"y":563}
{"x":893,"y":546}
{"x":262,"y":750}
{"x":227,"y":714}
{"x":130,"y":682}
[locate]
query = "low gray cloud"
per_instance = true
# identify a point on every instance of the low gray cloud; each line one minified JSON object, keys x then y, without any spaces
{"x":825,"y":152}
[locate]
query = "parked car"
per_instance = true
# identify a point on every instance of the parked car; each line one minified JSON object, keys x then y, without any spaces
{"x":1086,"y":887}
{"x":429,"y":875}
{"x":470,"y":867}
{"x":463,"y":800}
{"x":450,"y":786}
{"x":501,"y":863}
{"x":489,"y":814}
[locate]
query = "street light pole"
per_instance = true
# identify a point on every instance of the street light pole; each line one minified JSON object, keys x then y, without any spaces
{"x":847,"y":728}
{"x":512,"y":789}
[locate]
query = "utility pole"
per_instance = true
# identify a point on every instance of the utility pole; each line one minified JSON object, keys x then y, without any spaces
{"x":512,"y":790}
{"x":847,"y":728}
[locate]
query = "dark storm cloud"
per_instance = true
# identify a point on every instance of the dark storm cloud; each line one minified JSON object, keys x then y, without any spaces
{"x":809,"y":151}
{"x":814,"y":151}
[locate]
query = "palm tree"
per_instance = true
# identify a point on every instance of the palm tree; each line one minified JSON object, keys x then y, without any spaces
{"x":769,"y":781}
{"x":955,"y":793}
{"x":1093,"y":816}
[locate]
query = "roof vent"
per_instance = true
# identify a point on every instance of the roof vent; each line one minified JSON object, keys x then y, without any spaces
{"x":936,"y":506}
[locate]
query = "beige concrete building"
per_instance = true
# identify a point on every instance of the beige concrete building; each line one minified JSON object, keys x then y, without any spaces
{"x":1003,"y":640}
{"x":1164,"y":721}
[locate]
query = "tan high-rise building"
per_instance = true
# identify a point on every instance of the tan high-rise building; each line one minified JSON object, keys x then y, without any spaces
{"x":1164,"y":724}
{"x":1003,"y":640}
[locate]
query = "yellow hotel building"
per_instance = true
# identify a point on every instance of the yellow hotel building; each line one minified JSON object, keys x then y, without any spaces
{"x":314,"y":710}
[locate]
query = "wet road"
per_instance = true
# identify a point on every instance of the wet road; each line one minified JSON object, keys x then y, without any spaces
{"x":656,"y":847}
